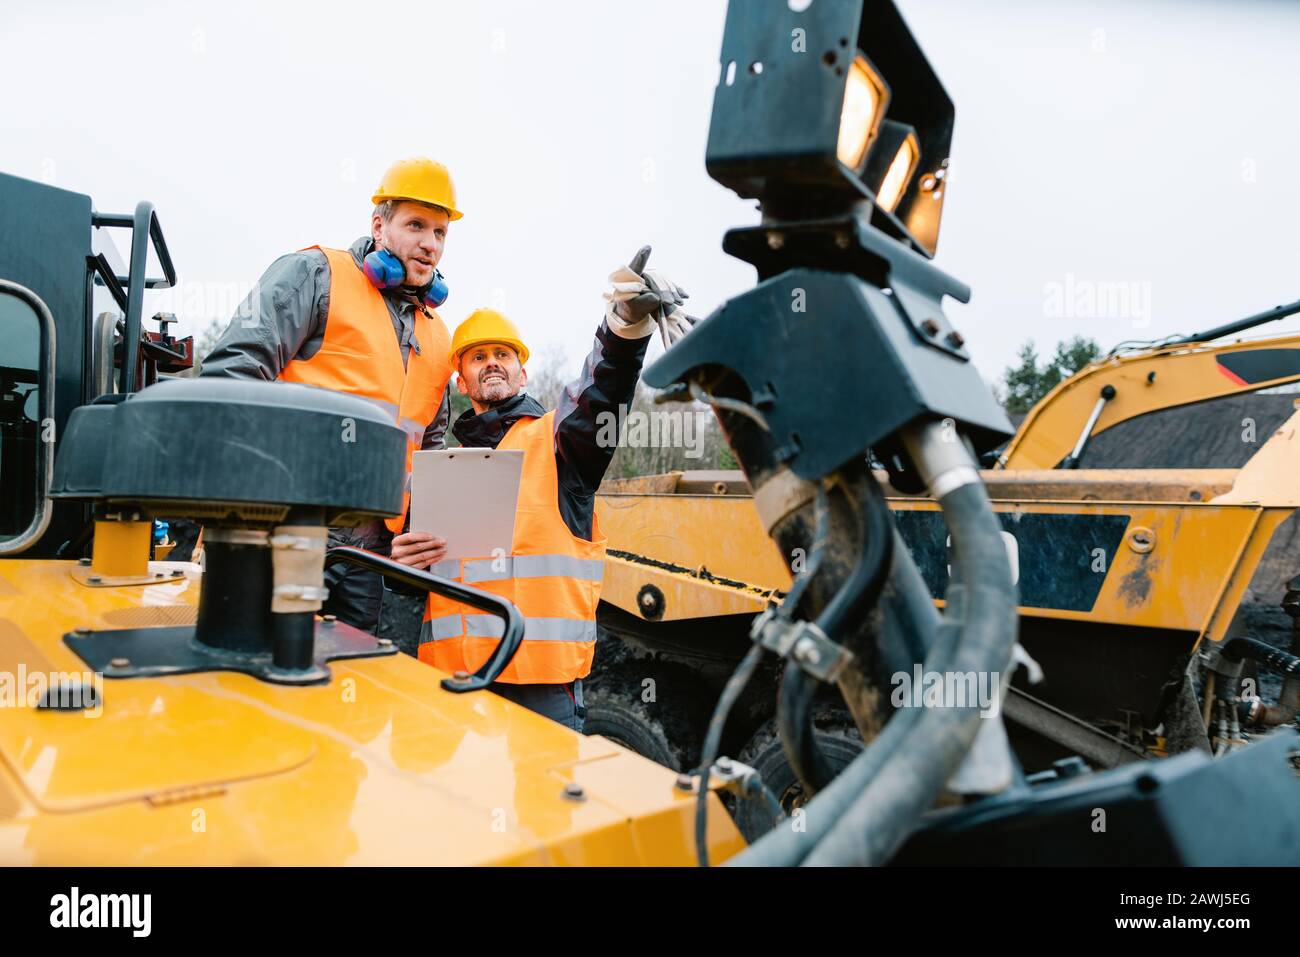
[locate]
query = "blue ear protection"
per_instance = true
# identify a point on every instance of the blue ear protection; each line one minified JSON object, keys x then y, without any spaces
{"x":385,"y":271}
{"x":437,"y":292}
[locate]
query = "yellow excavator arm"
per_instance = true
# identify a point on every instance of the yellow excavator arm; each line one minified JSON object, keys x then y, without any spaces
{"x":1122,"y":387}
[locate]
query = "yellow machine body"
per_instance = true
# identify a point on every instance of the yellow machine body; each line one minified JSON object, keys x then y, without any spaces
{"x":121,"y":549}
{"x":1146,"y":382}
{"x":1192,"y":540}
{"x":379,"y":766}
{"x":1122,"y":573}
{"x":1200,"y":558}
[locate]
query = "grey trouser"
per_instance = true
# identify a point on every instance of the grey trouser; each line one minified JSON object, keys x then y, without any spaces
{"x":562,"y":703}
{"x":355,"y":593}
{"x":399,"y":620}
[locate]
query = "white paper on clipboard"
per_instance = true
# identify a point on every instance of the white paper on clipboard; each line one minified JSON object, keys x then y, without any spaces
{"x":468,"y":497}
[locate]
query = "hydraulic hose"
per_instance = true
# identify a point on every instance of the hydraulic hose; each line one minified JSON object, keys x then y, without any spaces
{"x":818,"y":550}
{"x":869,"y":573}
{"x":713,"y":740}
{"x":947,"y":466}
{"x":798,"y":689}
{"x":910,"y":619}
{"x":829,"y":516}
{"x":786,"y":847}
{"x":910,"y":614}
{"x":885,"y":813}
{"x":794,"y":723}
{"x":794,"y":702}
{"x":1274,"y":659}
{"x":1288,"y":702}
{"x":911,"y":631}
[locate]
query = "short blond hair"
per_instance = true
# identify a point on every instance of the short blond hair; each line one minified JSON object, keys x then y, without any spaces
{"x":388,"y":207}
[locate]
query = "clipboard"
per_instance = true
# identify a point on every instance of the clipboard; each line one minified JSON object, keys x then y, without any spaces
{"x":468,"y":497}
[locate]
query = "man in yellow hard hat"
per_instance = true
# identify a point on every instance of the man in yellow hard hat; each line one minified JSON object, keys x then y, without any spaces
{"x":555,"y":566}
{"x":361,"y":320}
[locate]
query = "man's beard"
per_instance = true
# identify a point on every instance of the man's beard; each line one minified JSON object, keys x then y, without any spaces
{"x":496,"y":391}
{"x":412,"y":270}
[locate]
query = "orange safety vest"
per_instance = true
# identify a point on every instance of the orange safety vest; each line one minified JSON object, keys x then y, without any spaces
{"x":551,"y":575}
{"x":360,"y":355}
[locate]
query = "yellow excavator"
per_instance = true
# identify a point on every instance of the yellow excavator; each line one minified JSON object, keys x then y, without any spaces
{"x":1136,"y":381}
{"x":1124,"y":571}
{"x":156,"y":712}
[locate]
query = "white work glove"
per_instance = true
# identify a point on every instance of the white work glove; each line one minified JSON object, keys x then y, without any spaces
{"x":642,"y":298}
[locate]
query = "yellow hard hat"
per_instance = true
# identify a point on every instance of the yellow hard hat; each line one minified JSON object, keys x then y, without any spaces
{"x":420,"y":179}
{"x":486,"y":325}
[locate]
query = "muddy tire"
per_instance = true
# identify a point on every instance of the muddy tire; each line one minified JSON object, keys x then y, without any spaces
{"x":833,"y":730}
{"x":664,"y":729}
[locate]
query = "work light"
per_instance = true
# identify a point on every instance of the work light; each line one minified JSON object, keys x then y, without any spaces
{"x":804,"y":101}
{"x":865,"y":96}
{"x":891,"y":165}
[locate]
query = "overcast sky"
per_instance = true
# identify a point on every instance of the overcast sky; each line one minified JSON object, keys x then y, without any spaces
{"x":1120,"y":168}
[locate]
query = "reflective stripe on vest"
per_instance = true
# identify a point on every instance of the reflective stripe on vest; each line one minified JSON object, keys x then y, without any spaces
{"x":360,"y":355}
{"x":551,"y":575}
{"x":490,"y":626}
{"x":533,"y":566}
{"x":522,"y":566}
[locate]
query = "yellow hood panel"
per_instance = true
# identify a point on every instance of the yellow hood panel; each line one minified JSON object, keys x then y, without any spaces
{"x":380,"y":766}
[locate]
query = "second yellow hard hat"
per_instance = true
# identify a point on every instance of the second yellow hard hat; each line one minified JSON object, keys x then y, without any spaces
{"x":422,"y":180}
{"x":486,"y":325}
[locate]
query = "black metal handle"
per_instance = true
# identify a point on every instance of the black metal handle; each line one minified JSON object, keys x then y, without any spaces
{"x":474,"y":597}
{"x":98,"y":263}
{"x":144,"y":230}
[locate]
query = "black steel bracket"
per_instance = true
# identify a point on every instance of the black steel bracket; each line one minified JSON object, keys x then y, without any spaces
{"x":801,"y":642}
{"x":154,"y":652}
{"x":835,"y":366}
{"x":848,"y":244}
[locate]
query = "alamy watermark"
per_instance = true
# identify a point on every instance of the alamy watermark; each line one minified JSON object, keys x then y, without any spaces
{"x":947,"y":689}
{"x":74,"y":909}
{"x":661,"y":428}
{"x":61,"y":690}
{"x":1076,"y":298}
{"x":203,"y":300}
